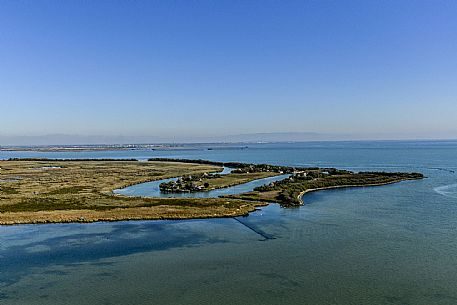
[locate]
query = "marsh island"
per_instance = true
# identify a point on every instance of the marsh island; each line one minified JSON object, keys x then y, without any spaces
{"x":44,"y":190}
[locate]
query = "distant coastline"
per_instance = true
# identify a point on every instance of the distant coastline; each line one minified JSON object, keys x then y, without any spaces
{"x":120,"y":147}
{"x":201,"y":145}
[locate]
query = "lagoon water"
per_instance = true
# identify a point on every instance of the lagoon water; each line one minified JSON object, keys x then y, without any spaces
{"x":152,"y":189}
{"x":394,"y":244}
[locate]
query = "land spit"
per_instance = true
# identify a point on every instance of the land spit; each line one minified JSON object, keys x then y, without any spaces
{"x":81,"y":190}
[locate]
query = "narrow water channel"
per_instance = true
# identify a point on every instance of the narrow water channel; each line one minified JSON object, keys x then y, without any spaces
{"x":152,"y":189}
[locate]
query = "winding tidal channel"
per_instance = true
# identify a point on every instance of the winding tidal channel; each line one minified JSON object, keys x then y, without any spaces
{"x":152,"y":189}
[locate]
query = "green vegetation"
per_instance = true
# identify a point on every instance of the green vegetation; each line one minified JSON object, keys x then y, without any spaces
{"x":42,"y":190}
{"x":8,"y":190}
{"x":207,"y":182}
{"x":241,"y":167}
{"x":288,"y":191}
{"x":60,"y":184}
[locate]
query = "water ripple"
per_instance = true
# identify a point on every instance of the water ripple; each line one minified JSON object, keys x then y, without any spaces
{"x":447,"y":190}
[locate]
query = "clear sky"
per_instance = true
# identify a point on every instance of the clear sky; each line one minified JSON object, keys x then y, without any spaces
{"x":372,"y":68}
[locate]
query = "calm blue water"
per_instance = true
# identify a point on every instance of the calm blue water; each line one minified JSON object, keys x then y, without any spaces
{"x":394,"y":244}
{"x":152,"y":189}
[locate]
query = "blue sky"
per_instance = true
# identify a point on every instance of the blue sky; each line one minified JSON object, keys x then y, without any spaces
{"x":369,"y":68}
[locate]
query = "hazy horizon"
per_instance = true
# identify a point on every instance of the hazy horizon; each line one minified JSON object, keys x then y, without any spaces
{"x":62,"y":139}
{"x":200,"y":70}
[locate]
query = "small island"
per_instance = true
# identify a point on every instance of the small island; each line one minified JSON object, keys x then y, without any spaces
{"x":239,"y":174}
{"x":45,"y":190}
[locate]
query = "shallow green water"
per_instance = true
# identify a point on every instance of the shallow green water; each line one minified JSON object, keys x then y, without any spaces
{"x":394,"y":244}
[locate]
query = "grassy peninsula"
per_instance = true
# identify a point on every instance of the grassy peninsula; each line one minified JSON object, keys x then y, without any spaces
{"x":289,"y":191}
{"x":42,"y":190}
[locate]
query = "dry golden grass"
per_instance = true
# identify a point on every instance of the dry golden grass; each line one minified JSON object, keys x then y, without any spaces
{"x":66,"y":191}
